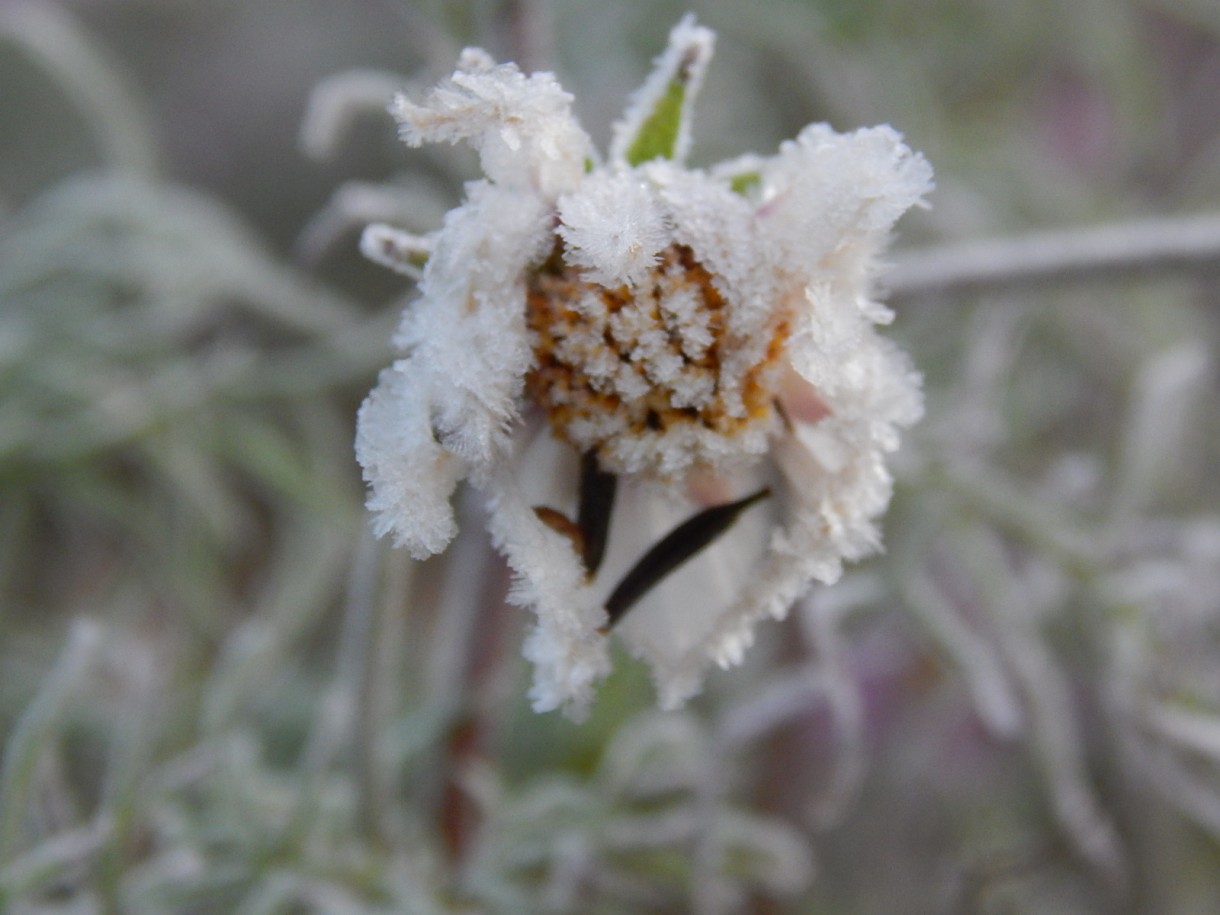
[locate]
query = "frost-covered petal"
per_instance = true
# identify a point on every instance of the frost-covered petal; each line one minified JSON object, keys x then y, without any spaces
{"x":835,"y":485}
{"x":466,"y":331}
{"x":400,"y":251}
{"x":829,"y":201}
{"x":568,"y":653}
{"x":447,"y":409}
{"x":836,"y":468}
{"x":613,"y":228}
{"x":857,"y":374}
{"x":411,"y":477}
{"x":671,"y":627}
{"x":521,"y":125}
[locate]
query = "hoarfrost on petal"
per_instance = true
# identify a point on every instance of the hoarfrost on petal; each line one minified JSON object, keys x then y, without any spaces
{"x":411,"y":477}
{"x":833,"y":198}
{"x":568,"y":652}
{"x":521,"y":125}
{"x":466,"y":332}
{"x":613,"y":228}
{"x":694,"y":615}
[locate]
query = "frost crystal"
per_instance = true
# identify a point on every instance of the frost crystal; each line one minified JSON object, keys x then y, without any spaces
{"x":618,"y":354}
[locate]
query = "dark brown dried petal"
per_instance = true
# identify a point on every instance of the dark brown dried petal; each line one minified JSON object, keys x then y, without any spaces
{"x":561,"y":524}
{"x":679,"y":545}
{"x":597,"y":490}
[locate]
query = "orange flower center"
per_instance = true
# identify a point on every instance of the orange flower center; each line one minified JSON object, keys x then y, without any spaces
{"x":618,"y":368}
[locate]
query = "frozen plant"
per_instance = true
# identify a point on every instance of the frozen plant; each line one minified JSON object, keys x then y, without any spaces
{"x":666,"y":381}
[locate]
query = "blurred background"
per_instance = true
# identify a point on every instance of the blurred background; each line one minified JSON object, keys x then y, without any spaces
{"x":218,"y":694}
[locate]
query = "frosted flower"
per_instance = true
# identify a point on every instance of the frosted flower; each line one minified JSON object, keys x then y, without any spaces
{"x":666,"y":381}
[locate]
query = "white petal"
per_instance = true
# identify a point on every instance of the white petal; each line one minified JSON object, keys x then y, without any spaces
{"x":466,"y":333}
{"x":568,"y":653}
{"x":521,"y":125}
{"x":830,"y":200}
{"x":673,"y":627}
{"x":836,"y":467}
{"x":835,"y":486}
{"x":401,"y":251}
{"x":613,"y":228}
{"x":411,"y":476}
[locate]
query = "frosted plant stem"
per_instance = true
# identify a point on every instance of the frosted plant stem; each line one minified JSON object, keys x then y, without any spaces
{"x":846,"y":706}
{"x":43,"y":862}
{"x":1189,"y":243}
{"x":336,"y":102}
{"x":1193,"y":730}
{"x":468,"y":627}
{"x":995,"y":700}
{"x":130,"y":750}
{"x":30,"y":737}
{"x":386,"y":698}
{"x":998,"y":497}
{"x":474,"y":731}
{"x":708,"y":884}
{"x":291,"y":604}
{"x":370,"y":687}
{"x":786,"y":697}
{"x":338,"y":722}
{"x":1057,"y":741}
{"x":458,"y":610}
{"x":1194,"y":795}
{"x":1167,"y":400}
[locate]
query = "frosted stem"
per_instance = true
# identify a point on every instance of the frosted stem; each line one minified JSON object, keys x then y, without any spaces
{"x":1177,"y":243}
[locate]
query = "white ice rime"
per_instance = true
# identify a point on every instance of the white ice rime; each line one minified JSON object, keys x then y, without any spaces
{"x":694,"y":335}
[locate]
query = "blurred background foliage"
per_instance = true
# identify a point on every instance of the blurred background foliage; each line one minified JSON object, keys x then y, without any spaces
{"x":219,"y":695}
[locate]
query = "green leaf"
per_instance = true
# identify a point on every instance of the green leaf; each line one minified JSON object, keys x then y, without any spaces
{"x":657,"y":137}
{"x":741,"y":184}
